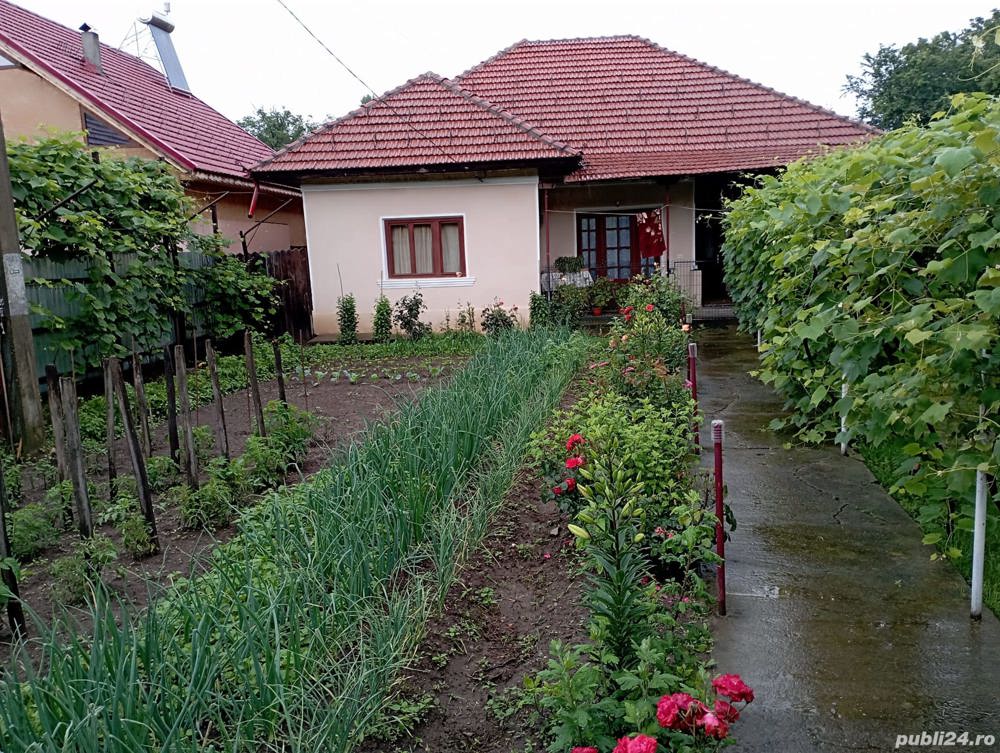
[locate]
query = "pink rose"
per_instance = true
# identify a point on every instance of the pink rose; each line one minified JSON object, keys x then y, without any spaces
{"x":714,"y":726}
{"x":733,"y":688}
{"x":622,"y":746}
{"x":668,"y":713}
{"x":642,"y":744}
{"x":574,"y":462}
{"x":650,"y":307}
{"x":585,"y":750}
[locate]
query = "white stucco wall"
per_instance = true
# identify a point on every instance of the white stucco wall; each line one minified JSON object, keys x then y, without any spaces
{"x":344,"y":228}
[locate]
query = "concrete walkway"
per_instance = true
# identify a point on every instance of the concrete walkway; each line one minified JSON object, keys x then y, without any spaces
{"x":848,"y":633}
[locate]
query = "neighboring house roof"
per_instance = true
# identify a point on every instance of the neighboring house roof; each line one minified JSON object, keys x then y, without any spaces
{"x":428,"y":121}
{"x":629,"y":106}
{"x":131,"y":94}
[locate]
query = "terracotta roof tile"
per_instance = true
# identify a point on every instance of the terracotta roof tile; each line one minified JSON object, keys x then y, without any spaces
{"x":133,"y":94}
{"x":634,"y":108}
{"x":429,"y":121}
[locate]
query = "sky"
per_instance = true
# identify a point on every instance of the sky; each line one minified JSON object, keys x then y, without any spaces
{"x":242,"y":54}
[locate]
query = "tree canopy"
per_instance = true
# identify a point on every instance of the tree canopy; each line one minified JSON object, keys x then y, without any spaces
{"x":276,"y":128}
{"x":916,"y":80}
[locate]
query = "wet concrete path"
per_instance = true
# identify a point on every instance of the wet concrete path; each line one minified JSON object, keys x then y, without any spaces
{"x":848,"y":633}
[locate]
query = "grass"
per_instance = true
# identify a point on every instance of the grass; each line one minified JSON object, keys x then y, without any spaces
{"x":294,"y":638}
{"x":883,"y":461}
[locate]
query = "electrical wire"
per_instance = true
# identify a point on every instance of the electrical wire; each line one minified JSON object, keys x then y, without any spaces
{"x":375,"y":96}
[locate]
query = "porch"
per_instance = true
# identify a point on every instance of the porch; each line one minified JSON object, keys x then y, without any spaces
{"x":602,"y":223}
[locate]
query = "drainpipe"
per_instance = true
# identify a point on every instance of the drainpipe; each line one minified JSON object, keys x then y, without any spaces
{"x":666,"y":234}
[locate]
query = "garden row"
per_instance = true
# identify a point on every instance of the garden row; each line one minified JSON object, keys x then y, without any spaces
{"x":621,"y":463}
{"x":872,"y":276}
{"x":293,"y":636}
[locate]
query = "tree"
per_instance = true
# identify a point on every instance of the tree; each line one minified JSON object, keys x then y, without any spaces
{"x":916,"y":80}
{"x":276,"y":128}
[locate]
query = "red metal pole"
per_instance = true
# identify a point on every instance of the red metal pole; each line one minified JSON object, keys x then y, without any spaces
{"x":720,"y":534}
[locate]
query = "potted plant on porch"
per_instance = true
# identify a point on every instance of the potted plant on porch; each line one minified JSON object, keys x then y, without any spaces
{"x":602,"y":293}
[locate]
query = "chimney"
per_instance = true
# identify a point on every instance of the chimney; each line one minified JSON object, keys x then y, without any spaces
{"x":91,"y":47}
{"x":160,"y":27}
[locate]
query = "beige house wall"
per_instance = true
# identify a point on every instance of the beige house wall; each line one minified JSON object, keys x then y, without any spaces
{"x":344,"y":228}
{"x":33,"y":109}
{"x":284,"y":229}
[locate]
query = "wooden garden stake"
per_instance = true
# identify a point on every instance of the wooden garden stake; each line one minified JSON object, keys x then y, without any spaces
{"x":302,"y":366}
{"x":142,"y":407}
{"x":254,"y":385}
{"x":135,"y":454}
{"x":279,"y":371}
{"x":74,"y":457}
{"x":189,"y":456}
{"x":109,"y":400}
{"x":221,"y":435}
{"x":15,"y":614}
{"x":58,"y":432}
{"x":168,"y":378}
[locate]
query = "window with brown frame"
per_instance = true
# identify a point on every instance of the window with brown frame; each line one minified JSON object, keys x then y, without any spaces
{"x":425,"y":247}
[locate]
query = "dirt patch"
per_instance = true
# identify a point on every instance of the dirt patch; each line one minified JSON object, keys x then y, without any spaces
{"x":344,"y":401}
{"x":519,"y":592}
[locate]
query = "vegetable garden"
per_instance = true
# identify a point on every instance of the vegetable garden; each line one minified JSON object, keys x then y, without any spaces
{"x":873,"y":277}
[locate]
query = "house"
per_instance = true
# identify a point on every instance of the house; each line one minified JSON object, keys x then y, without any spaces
{"x":53,"y":78}
{"x":613,"y":149}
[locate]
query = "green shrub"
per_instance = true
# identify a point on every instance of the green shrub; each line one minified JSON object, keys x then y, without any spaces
{"x":162,"y":472}
{"x":567,"y":305}
{"x":407,"y":315}
{"x":539,"y":311}
{"x":289,"y":429}
{"x":11,"y":477}
{"x":204,"y":443}
{"x":210,"y":506}
{"x":266,"y":463}
{"x":136,"y":537}
{"x":347,"y":318}
{"x":497,"y":319}
{"x":658,"y":290}
{"x":569,"y":264}
{"x":32,"y":528}
{"x":233,"y":473}
{"x":73,"y":576}
{"x":382,"y":322}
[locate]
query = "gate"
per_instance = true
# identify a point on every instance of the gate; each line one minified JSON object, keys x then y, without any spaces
{"x":701,"y":281}
{"x":291,"y":268}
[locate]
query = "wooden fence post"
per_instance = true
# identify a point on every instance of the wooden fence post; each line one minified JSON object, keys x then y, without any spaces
{"x":253,"y":384}
{"x":142,"y":407}
{"x":74,"y":456}
{"x":109,"y":399}
{"x":189,"y":456}
{"x":221,"y":435}
{"x":15,"y":613}
{"x":279,"y":371}
{"x":168,"y":378}
{"x":135,"y":454}
{"x":58,"y":432}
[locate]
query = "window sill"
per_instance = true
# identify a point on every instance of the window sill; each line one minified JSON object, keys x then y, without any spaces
{"x":410,"y":283}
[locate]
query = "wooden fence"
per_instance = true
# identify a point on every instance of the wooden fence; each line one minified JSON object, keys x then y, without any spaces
{"x":291,"y":268}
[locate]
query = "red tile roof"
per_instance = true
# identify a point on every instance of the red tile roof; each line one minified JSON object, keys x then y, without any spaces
{"x":132,"y":94}
{"x":630,"y":107}
{"x":427,"y":122}
{"x":634,"y":108}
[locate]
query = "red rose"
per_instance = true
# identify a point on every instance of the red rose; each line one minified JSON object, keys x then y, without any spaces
{"x":642,"y":744}
{"x":622,"y":746}
{"x":650,"y":307}
{"x":726,"y":711}
{"x":668,"y":713}
{"x":733,"y":688}
{"x":585,"y":750}
{"x":574,"y":462}
{"x":714,"y":726}
{"x":570,"y":484}
{"x":573,"y":441}
{"x":557,"y":490}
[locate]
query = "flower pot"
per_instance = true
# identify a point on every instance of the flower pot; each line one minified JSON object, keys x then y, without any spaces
{"x":597,"y":310}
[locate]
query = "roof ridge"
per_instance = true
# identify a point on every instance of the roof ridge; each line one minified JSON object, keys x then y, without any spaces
{"x":512,"y":118}
{"x":492,"y":58}
{"x":737,"y":77}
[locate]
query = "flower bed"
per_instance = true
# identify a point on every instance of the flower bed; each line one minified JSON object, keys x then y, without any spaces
{"x":621,"y":462}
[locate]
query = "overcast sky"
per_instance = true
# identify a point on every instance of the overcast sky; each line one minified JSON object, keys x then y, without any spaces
{"x":240,"y":54}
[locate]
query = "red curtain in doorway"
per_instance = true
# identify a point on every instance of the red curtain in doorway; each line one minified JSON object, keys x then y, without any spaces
{"x":650,"y":231}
